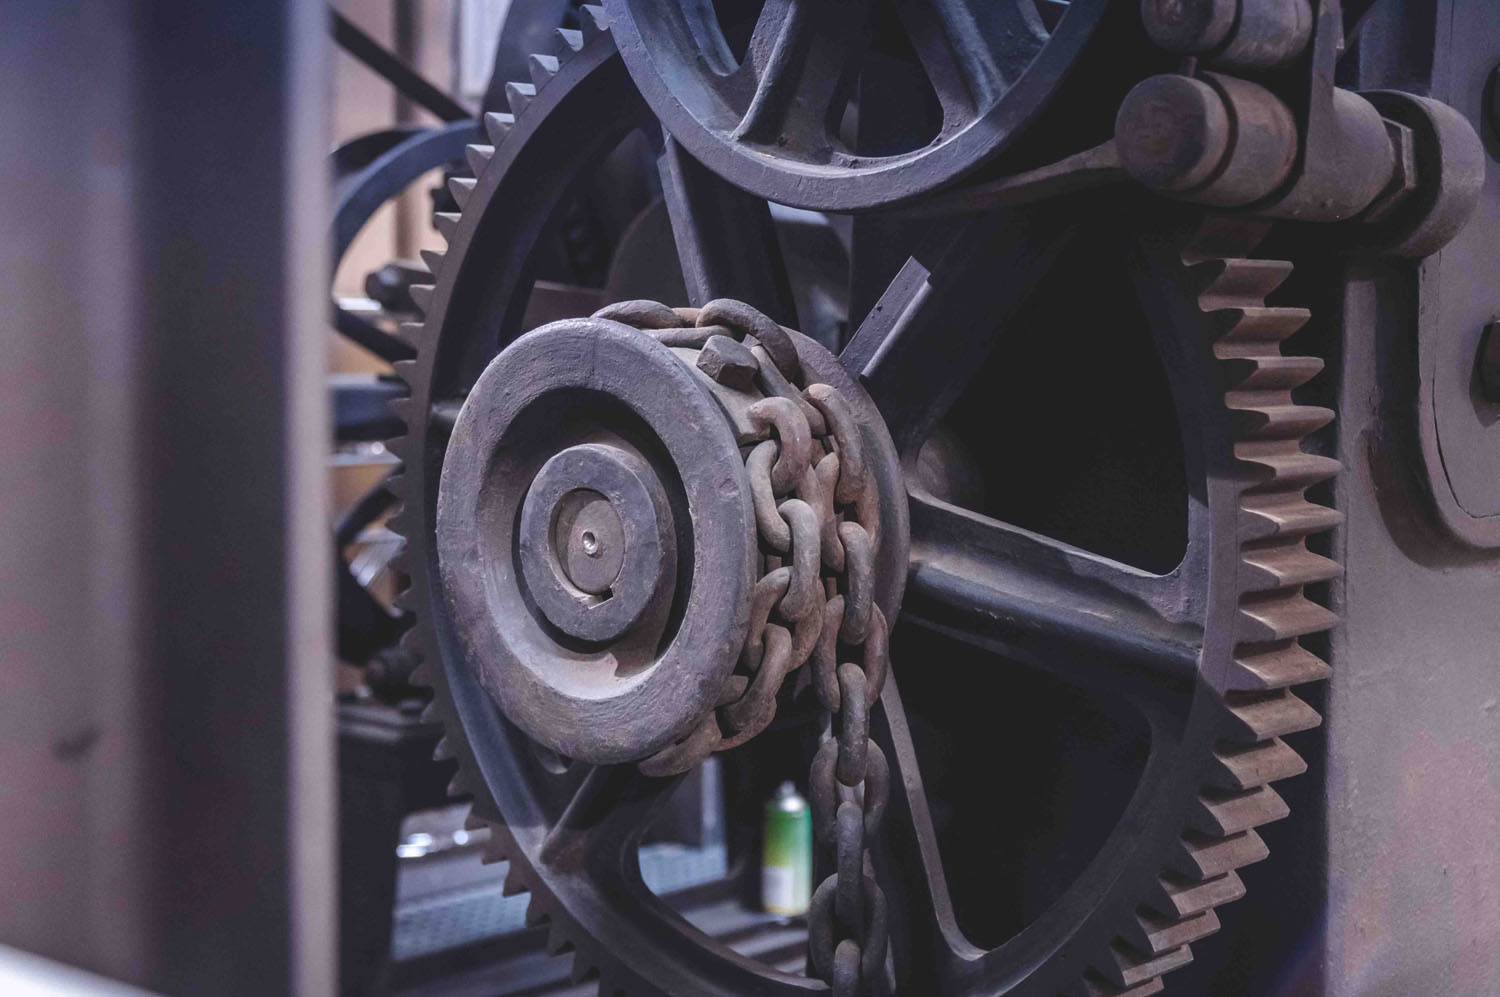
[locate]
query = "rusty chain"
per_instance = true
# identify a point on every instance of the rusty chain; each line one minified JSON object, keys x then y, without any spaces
{"x":818,"y":521}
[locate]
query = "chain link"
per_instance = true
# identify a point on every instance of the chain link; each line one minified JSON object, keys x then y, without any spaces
{"x":818,"y":521}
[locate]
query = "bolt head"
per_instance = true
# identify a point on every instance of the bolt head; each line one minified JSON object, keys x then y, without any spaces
{"x":729,"y":362}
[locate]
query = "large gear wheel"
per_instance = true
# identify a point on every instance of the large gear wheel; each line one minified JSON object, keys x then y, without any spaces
{"x":1205,"y":655}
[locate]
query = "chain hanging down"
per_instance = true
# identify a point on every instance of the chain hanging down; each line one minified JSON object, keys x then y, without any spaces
{"x":818,"y":523}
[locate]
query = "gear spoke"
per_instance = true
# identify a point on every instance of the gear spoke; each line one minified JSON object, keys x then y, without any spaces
{"x":1089,"y":619}
{"x":917,"y":348}
{"x":725,"y":239}
{"x":912,"y":835}
{"x":802,"y":55}
{"x":605,"y":818}
{"x":973,"y":49}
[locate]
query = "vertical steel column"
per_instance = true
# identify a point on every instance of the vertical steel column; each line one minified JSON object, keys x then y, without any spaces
{"x":166,"y":747}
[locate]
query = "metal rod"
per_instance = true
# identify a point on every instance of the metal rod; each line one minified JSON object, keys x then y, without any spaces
{"x":353,"y":40}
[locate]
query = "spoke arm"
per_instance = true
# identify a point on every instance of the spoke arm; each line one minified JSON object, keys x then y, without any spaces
{"x":725,"y":238}
{"x":360,"y":330}
{"x":912,"y":838}
{"x":1086,"y":618}
{"x":802,"y":58}
{"x":918,"y":347}
{"x":401,"y":76}
{"x":603,"y":822}
{"x":973,"y":49}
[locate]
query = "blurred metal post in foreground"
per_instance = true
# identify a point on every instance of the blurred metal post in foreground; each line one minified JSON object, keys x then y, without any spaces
{"x":166,"y":750}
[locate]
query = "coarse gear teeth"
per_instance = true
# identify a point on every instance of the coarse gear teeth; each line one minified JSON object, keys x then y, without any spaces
{"x":1275,"y":521}
{"x":466,"y":782}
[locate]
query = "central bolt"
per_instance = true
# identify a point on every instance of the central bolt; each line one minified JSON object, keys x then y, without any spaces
{"x":588,"y":540}
{"x":591,"y":546}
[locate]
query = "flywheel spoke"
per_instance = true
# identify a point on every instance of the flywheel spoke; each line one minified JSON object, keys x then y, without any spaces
{"x":973,"y":49}
{"x":927,"y":335}
{"x":725,"y":239}
{"x":603,"y":821}
{"x":802,"y":56}
{"x":1089,"y":620}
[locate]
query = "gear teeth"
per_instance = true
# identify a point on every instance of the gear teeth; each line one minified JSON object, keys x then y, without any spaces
{"x":1282,"y":465}
{"x":1256,"y":765}
{"x":583,"y":970}
{"x":514,"y":885}
{"x":1281,"y":616}
{"x":1270,"y":372}
{"x":446,"y":223}
{"x":1160,"y":935}
{"x":536,"y":914}
{"x":565,"y":42}
{"x":1185,"y":898}
{"x":479,"y":157}
{"x":1129,"y":968}
{"x":1282,"y":516}
{"x":1228,"y":280}
{"x":461,"y":188}
{"x":1260,"y":716}
{"x":1232,"y":813}
{"x":1095,"y":985}
{"x":421,"y":296}
{"x":519,"y":96}
{"x":442,"y":751}
{"x":1254,"y":326}
{"x":542,"y":67}
{"x":433,"y":259}
{"x":458,"y":787}
{"x":593,"y":20}
{"x":497,"y":125}
{"x":1204,"y":857}
{"x":1271,"y":415}
{"x":412,"y":333}
{"x":1284,"y":565}
{"x":558,"y":943}
{"x":1276,"y":666}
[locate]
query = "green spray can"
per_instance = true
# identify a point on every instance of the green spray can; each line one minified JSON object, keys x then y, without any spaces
{"x":786,"y":857}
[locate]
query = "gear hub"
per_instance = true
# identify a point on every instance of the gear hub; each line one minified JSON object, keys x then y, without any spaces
{"x":596,"y":538}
